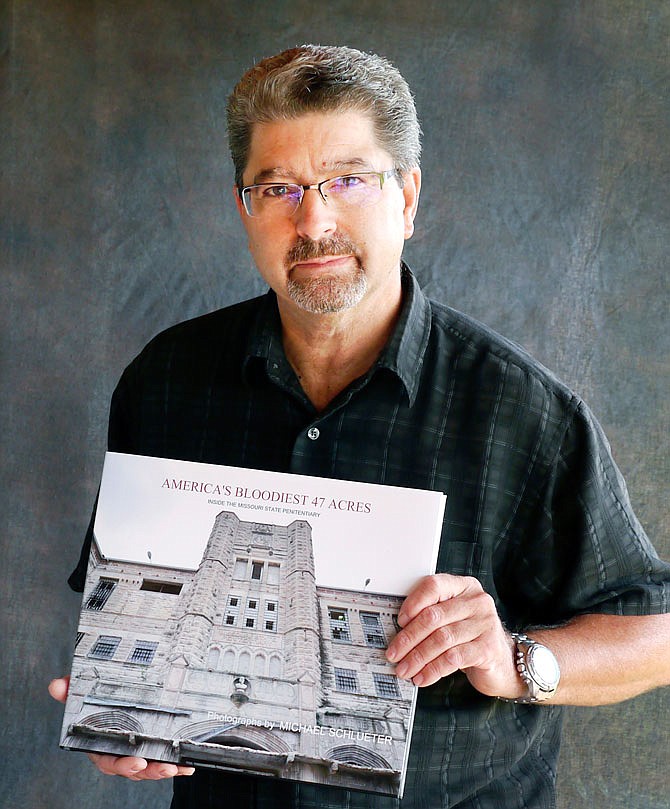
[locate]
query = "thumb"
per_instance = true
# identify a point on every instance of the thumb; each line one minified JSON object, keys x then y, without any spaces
{"x":58,"y":688}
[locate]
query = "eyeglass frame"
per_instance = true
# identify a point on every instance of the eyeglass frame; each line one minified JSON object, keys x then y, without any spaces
{"x":381,"y":175}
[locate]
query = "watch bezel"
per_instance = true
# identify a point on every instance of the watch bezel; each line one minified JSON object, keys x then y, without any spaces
{"x":540,"y":688}
{"x":538,"y":660}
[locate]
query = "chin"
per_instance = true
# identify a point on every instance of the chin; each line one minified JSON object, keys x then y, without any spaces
{"x":327,"y":295}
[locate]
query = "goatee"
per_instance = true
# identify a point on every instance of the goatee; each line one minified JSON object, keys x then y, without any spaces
{"x":326,"y":293}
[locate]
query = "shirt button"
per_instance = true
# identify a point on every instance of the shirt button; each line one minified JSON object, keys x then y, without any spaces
{"x":313,"y":433}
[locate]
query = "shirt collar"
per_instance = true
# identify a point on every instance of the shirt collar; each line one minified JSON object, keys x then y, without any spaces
{"x":405,"y":350}
{"x":403,"y":354}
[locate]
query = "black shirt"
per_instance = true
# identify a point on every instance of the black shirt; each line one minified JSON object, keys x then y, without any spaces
{"x":536,"y":509}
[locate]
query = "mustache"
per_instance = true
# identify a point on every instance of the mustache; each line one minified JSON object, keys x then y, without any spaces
{"x":307,"y":249}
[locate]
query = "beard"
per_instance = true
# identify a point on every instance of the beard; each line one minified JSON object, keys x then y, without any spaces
{"x":326,"y":293}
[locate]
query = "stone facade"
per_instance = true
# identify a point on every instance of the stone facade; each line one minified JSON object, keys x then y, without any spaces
{"x":246,"y":653}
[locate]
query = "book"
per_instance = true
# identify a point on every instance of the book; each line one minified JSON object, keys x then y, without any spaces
{"x":238,"y":619}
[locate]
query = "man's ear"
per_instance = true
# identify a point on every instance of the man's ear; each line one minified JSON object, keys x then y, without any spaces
{"x":239,"y":203}
{"x":411,"y":190}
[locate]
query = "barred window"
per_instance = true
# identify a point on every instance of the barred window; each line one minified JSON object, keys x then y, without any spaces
{"x":346,"y":680}
{"x":251,"y":613}
{"x":78,"y":639}
{"x":143,"y":652}
{"x":104,"y":647}
{"x":99,"y":595}
{"x":386,"y":685}
{"x":232,"y":610}
{"x":372,"y":630}
{"x":271,"y":616}
{"x":339,"y":624}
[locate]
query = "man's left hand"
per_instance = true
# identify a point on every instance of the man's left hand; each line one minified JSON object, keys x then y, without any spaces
{"x":449,"y":623}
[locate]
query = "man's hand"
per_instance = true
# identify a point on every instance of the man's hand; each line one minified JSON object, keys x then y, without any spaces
{"x":449,"y":623}
{"x":132,"y":767}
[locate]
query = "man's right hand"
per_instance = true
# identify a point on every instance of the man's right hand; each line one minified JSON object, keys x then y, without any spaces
{"x":132,"y":767}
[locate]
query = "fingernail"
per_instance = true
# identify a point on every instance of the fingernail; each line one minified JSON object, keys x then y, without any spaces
{"x":401,"y":670}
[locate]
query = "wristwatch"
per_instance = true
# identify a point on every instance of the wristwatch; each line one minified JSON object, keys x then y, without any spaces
{"x":537,"y":667}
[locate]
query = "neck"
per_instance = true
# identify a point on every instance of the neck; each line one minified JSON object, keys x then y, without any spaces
{"x":328,"y":352}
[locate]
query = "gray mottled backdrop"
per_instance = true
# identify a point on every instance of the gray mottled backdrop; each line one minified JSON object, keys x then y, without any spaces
{"x":544,"y":213}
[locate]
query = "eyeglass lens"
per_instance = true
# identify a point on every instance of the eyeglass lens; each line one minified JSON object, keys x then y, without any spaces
{"x":284,"y":198}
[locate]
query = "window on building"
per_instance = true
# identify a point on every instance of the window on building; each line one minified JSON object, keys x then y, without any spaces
{"x":256,"y":571}
{"x":386,"y":685}
{"x":251,"y":613}
{"x":271,"y":616}
{"x":143,"y":652}
{"x":240,"y":571}
{"x":104,"y":647}
{"x":171,"y":587}
{"x":339,"y":624}
{"x":372,"y":630}
{"x":102,"y":591}
{"x":78,"y":639}
{"x":213,"y":657}
{"x":346,"y":680}
{"x":273,"y":574}
{"x":232,"y":610}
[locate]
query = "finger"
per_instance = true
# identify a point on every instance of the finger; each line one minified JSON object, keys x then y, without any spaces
{"x":138,"y":769}
{"x":127,"y":766}
{"x":443,"y":618}
{"x":58,"y":688}
{"x":432,"y":590}
{"x":474,"y":654}
{"x":438,"y":644}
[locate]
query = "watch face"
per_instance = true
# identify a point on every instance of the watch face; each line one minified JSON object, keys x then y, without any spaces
{"x":543,"y":667}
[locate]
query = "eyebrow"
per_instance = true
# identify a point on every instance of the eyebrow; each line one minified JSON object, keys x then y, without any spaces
{"x":278,"y":173}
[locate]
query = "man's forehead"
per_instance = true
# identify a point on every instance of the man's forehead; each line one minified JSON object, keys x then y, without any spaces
{"x":325,"y":142}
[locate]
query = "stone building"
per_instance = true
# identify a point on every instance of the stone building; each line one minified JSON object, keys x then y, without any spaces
{"x":245,"y":662}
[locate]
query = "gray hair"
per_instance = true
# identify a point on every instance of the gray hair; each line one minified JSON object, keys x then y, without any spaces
{"x":325,"y":78}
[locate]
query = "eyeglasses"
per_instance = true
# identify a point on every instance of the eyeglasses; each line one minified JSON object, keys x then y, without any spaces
{"x":340,"y":193}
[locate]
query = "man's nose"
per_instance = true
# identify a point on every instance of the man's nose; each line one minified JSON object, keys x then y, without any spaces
{"x":314,"y":218}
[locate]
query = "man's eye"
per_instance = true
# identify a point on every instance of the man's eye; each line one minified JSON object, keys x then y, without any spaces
{"x":278,"y":191}
{"x":348,"y":182}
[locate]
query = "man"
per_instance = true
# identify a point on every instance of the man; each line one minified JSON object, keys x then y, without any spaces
{"x":345,"y":369}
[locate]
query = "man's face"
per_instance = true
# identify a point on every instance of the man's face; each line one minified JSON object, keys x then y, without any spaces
{"x":318,"y":259}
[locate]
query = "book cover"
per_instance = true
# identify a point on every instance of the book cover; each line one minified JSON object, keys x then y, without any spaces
{"x":238,"y":619}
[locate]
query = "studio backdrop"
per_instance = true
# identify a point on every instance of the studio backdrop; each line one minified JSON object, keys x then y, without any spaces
{"x":544,"y":213}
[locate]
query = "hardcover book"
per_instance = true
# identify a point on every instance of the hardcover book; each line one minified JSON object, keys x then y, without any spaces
{"x":238,"y":619}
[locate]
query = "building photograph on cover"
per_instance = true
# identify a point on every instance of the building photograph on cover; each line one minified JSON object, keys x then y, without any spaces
{"x":249,"y":637}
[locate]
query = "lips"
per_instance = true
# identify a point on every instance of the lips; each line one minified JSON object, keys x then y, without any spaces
{"x":324,"y":262}
{"x":306,"y":252}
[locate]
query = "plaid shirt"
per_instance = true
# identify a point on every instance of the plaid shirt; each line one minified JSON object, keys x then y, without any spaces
{"x":536,"y":510}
